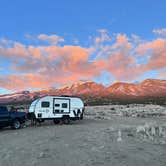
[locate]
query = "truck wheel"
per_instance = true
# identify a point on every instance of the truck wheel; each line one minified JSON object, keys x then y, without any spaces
{"x":66,"y":120}
{"x":56,"y":121}
{"x":16,"y":124}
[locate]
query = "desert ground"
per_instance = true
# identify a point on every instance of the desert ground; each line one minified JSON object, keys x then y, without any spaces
{"x":114,"y":135}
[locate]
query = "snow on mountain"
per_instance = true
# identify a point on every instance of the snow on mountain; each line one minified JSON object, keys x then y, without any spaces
{"x":149,"y":87}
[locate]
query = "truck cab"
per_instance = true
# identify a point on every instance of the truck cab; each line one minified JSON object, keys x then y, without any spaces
{"x":11,"y":118}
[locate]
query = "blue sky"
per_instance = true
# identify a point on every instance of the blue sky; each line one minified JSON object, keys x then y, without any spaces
{"x":20,"y":17}
{"x":79,"y":24}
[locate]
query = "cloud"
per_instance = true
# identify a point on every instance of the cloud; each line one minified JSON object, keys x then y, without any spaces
{"x":15,"y":51}
{"x":122,"y":66}
{"x":127,"y":59}
{"x":122,"y":57}
{"x":121,"y":41}
{"x":75,"y":41}
{"x":104,"y":36}
{"x":5,"y":41}
{"x":160,"y":31}
{"x":18,"y":82}
{"x":50,"y":39}
{"x":122,"y":62}
{"x":155,"y":51}
{"x":135,"y":38}
{"x":118,"y":57}
{"x":162,"y":74}
{"x":45,"y":66}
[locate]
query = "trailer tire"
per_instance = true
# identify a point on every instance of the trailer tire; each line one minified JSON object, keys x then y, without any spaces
{"x":56,"y":121}
{"x":66,"y":120}
{"x":82,"y":116}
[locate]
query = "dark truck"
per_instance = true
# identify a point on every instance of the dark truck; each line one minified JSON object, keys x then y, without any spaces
{"x":11,"y":118}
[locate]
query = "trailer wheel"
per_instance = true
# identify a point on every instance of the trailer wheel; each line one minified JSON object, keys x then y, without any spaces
{"x":66,"y":120}
{"x":16,"y":124}
{"x":81,"y":116}
{"x":56,"y":121}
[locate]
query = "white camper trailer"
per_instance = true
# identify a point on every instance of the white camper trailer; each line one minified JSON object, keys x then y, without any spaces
{"x":57,"y":108}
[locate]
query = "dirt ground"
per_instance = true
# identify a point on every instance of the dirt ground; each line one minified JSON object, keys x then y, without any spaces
{"x":101,"y":138}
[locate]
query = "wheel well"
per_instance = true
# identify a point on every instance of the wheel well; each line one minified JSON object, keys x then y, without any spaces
{"x":19,"y":119}
{"x":65,"y":116}
{"x":31,"y":115}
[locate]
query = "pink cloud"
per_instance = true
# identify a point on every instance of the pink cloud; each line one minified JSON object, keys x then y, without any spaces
{"x":121,"y":40}
{"x":156,"y":53}
{"x":24,"y":81}
{"x":162,"y":74}
{"x":120,"y":61}
{"x":46,"y":66}
{"x":18,"y":82}
{"x":122,"y":65}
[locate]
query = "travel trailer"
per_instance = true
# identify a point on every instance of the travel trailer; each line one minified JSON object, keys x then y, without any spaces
{"x":56,"y":108}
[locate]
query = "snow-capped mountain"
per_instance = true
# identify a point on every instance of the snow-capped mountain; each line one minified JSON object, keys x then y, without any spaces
{"x":119,"y":90}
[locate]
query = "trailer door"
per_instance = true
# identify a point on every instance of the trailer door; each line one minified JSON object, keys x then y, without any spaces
{"x":61,"y":105}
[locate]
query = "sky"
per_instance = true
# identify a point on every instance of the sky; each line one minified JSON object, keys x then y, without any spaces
{"x":51,"y":43}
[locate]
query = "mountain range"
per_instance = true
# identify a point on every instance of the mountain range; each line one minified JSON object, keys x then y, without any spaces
{"x":149,"y":90}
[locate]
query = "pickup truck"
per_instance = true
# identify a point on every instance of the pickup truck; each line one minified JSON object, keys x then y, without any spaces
{"x":11,"y":118}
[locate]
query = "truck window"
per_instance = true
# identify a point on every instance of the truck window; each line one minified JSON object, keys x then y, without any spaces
{"x":45,"y":104}
{"x":64,"y":105}
{"x":3,"y":109}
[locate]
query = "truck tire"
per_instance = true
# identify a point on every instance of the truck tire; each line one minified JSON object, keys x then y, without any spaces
{"x":56,"y":121}
{"x":66,"y":120}
{"x":16,"y":124}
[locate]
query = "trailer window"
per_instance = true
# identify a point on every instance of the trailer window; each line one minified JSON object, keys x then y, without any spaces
{"x":64,"y":105}
{"x":56,"y":111}
{"x":45,"y":104}
{"x":57,"y":105}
